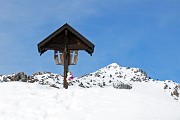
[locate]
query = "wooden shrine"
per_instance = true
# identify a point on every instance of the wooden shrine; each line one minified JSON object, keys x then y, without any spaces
{"x":66,"y":42}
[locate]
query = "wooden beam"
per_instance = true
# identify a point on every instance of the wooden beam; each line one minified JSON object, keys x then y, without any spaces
{"x":77,"y":47}
{"x":70,"y":47}
{"x":54,"y":46}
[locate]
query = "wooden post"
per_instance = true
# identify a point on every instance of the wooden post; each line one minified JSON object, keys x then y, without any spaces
{"x":65,"y":68}
{"x":66,"y":60}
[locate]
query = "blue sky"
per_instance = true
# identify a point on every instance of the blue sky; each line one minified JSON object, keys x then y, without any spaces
{"x":132,"y":33}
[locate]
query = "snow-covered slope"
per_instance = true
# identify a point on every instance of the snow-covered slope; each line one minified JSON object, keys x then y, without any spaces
{"x":110,"y":76}
{"x":114,"y":93}
{"x":145,"y":101}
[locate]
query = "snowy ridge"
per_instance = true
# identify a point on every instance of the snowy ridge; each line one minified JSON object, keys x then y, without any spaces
{"x":114,"y":93}
{"x":114,"y":71}
{"x":113,"y":75}
{"x":110,"y":76}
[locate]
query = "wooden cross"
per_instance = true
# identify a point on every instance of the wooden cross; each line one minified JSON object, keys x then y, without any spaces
{"x":65,"y":40}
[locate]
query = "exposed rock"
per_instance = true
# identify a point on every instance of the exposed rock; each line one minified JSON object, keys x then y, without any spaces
{"x":5,"y":79}
{"x":53,"y":85}
{"x":40,"y":73}
{"x":175,"y":93}
{"x":32,"y":80}
{"x":81,"y":85}
{"x":120,"y":85}
{"x":166,"y":86}
{"x":21,"y":76}
{"x":23,"y":80}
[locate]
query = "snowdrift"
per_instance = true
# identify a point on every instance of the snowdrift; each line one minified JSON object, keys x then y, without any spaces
{"x":112,"y":92}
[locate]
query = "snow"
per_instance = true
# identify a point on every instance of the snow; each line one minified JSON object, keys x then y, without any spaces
{"x":90,"y":97}
{"x":31,"y":101}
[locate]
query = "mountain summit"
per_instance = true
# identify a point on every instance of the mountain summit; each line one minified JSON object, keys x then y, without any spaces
{"x":110,"y":76}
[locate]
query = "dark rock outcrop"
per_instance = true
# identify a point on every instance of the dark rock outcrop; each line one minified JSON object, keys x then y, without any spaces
{"x":121,"y":85}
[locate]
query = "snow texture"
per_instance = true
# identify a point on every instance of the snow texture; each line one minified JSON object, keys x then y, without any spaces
{"x":114,"y":93}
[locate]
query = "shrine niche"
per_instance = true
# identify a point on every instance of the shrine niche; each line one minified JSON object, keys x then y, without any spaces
{"x":66,"y":42}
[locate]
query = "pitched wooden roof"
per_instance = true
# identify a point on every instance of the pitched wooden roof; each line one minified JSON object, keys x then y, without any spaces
{"x":56,"y":41}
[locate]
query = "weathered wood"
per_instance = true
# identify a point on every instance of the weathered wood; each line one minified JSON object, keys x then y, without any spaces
{"x":65,"y":40}
{"x":65,"y":68}
{"x":59,"y":47}
{"x":57,"y":38}
{"x":66,"y":59}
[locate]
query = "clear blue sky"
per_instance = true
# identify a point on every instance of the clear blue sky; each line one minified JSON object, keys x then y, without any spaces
{"x":132,"y":33}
